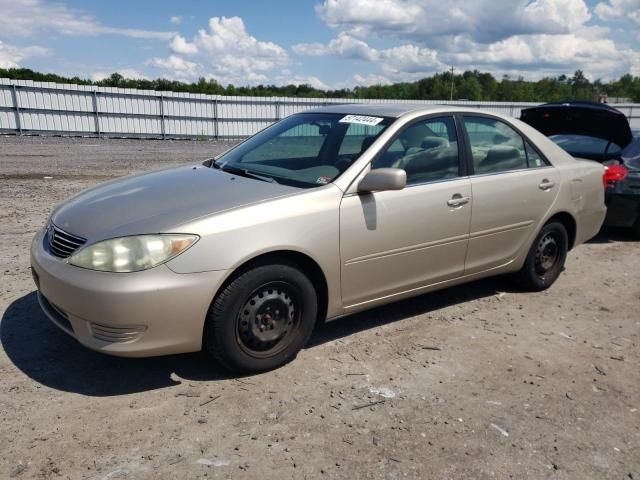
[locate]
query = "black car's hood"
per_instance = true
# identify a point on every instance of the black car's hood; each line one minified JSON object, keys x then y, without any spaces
{"x":580,"y":118}
{"x":158,"y":201}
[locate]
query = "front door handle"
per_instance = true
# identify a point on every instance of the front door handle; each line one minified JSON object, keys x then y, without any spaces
{"x":457,"y":201}
{"x":546,"y":185}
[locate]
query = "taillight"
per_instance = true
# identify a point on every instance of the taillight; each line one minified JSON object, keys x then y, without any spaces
{"x":613,"y":174}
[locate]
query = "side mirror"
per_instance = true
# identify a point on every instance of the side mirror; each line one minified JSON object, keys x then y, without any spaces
{"x":381,"y":179}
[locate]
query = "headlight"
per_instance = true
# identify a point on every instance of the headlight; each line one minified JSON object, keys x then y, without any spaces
{"x":132,"y":254}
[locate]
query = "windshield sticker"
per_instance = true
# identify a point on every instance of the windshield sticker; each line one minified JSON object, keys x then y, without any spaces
{"x":362,"y":119}
{"x":323,"y":180}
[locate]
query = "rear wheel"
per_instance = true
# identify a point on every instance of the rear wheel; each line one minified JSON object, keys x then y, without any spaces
{"x":261,"y":319}
{"x":545,"y":259}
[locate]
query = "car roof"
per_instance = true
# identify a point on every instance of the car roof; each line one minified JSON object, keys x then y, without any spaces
{"x":395,"y":110}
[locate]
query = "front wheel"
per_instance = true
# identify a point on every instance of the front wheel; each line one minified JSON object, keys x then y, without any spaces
{"x":546,"y":258}
{"x":261,"y":319}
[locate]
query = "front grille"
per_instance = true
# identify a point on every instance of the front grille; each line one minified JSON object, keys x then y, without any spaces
{"x":117,"y":334}
{"x":62,"y":244}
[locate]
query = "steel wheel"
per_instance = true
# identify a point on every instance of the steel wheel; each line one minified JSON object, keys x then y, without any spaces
{"x":262,"y":318}
{"x":268,"y":319}
{"x":545,"y":259}
{"x":547,"y":254}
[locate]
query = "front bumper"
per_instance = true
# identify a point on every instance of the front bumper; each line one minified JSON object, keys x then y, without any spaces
{"x":154,"y":312}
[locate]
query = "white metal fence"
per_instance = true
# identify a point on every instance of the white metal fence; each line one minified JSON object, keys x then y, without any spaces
{"x":28,"y":107}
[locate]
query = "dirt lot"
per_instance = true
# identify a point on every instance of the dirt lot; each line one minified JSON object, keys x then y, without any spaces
{"x":480,"y":381}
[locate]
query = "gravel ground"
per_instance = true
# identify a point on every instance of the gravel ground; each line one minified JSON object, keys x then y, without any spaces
{"x":479,"y":381}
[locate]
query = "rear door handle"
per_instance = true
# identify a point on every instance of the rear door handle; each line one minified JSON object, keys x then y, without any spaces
{"x":546,"y":185}
{"x":457,"y":201}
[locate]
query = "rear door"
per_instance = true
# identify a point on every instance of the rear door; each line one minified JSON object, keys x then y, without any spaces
{"x":513,"y":188}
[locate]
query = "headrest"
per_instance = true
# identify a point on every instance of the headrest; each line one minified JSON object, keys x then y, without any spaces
{"x":434,"y":142}
{"x":500,"y":153}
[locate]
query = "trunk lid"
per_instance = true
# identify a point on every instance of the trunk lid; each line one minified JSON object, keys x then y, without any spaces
{"x":580,"y":118}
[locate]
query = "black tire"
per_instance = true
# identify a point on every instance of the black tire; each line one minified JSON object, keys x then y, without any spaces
{"x":546,"y":258}
{"x":261,"y":319}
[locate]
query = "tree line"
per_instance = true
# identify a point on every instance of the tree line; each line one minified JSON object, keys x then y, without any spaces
{"x":470,"y":85}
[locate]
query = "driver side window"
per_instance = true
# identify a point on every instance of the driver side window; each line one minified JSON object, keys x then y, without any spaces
{"x":427,"y":150}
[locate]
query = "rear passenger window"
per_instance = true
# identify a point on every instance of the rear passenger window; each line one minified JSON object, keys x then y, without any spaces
{"x":495,"y":146}
{"x":533,"y":158}
{"x":427,"y":150}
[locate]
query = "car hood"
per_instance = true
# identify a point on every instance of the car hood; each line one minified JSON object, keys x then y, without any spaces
{"x":159,"y":202}
{"x":575,"y":118}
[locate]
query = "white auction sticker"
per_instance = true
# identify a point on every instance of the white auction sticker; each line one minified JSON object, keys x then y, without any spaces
{"x":363,"y":119}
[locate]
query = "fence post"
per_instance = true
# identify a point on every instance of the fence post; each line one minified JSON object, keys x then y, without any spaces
{"x":16,"y":105}
{"x":162,"y":128}
{"x":277,"y":105}
{"x":96,"y":112}
{"x":215,"y":119}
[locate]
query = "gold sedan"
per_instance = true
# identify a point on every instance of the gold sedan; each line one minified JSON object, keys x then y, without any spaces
{"x":321,"y":215}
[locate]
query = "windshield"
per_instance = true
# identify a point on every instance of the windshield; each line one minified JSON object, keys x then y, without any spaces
{"x":587,"y":147}
{"x":304,"y":150}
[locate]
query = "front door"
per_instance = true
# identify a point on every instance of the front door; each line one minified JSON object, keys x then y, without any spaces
{"x":396,"y":241}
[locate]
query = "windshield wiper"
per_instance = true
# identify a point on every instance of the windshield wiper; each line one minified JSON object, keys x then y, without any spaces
{"x":245,"y":173}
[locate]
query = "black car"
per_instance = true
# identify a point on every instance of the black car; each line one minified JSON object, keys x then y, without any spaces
{"x":602,"y":133}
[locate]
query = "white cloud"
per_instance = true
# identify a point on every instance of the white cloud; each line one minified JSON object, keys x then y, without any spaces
{"x":180,"y":45}
{"x":635,"y":64}
{"x":411,"y":58}
{"x":349,"y":47}
{"x":382,"y":13}
{"x":228,"y":40}
{"x":11,"y":56}
{"x":178,"y":66}
{"x":547,"y":53}
{"x":314,"y":49}
{"x":315,"y":82}
{"x":370,"y":79}
{"x":227,"y":52}
{"x":344,"y":45}
{"x":176,"y":19}
{"x":482,"y":20}
{"x":619,"y":10}
{"x":29,"y":17}
{"x":525,"y":36}
{"x":394,"y":61}
{"x":129,"y":73}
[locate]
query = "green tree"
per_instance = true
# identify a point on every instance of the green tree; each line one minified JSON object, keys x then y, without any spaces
{"x":472,"y":85}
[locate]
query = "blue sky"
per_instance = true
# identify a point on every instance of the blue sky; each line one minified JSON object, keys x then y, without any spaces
{"x":327,"y":43}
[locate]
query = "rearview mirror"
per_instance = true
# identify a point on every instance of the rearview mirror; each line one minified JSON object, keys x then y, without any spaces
{"x":381,"y":179}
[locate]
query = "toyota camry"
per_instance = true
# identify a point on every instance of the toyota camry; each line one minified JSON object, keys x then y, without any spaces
{"x":323,"y":214}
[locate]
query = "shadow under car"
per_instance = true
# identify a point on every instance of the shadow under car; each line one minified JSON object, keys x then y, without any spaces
{"x":52,"y":358}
